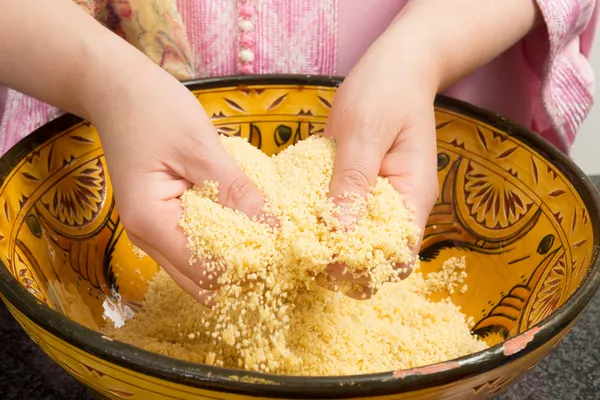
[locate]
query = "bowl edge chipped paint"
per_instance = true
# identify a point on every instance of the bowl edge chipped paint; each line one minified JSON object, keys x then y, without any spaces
{"x":482,"y":373}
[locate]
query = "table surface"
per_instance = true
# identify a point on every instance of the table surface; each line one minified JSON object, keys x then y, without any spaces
{"x":571,"y":372}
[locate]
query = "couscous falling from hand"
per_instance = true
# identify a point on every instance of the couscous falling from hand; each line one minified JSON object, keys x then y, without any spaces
{"x":269,"y":312}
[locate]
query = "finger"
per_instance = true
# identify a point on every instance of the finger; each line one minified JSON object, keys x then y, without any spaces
{"x":360,"y":292}
{"x":353,"y":290}
{"x":340,"y":271}
{"x":161,"y":230}
{"x":205,"y":297}
{"x":160,"y":236}
{"x":357,"y":160}
{"x":404,"y":271}
{"x":411,"y":168}
{"x":362,"y":139}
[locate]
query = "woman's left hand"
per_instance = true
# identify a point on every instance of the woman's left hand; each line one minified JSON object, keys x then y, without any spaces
{"x":382,"y":119}
{"x":382,"y":116}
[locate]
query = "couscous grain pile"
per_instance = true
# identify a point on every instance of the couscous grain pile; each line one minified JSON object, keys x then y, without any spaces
{"x":269,"y":312}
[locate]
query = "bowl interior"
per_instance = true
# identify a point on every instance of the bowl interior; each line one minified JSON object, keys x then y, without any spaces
{"x":512,"y":212}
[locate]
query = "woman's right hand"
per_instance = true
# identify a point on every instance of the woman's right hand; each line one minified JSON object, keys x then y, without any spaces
{"x":158,"y":142}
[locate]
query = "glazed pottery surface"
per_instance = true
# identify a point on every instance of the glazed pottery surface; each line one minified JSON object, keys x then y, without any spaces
{"x":523,"y":215}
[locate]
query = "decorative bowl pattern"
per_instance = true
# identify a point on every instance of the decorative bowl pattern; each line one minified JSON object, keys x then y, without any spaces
{"x":524,"y":216}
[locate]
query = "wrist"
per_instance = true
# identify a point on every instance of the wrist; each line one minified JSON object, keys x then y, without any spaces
{"x":463,"y":35}
{"x":106,"y":81}
{"x":419,"y":54}
{"x":406,"y":65}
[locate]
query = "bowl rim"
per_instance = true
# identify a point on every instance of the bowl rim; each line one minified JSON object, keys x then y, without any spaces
{"x":270,"y":386}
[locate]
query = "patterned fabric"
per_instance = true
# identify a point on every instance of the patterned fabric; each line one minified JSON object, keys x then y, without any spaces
{"x":545,"y":82}
{"x":568,"y":80}
{"x":154,"y":27}
{"x":292,"y":36}
{"x":296,"y":36}
{"x":88,"y":5}
{"x":211,"y":31}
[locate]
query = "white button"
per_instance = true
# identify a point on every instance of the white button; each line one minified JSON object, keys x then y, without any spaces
{"x":245,"y":25}
{"x":246,"y":55}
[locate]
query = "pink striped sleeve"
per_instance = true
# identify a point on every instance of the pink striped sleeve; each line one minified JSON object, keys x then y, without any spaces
{"x":559,"y":55}
{"x":3,"y":95}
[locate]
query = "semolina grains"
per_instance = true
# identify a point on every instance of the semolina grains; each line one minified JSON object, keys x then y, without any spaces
{"x":270,"y":313}
{"x":329,"y":334}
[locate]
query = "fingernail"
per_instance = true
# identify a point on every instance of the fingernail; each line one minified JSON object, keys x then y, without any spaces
{"x":359,"y":292}
{"x":341,"y":272}
{"x":266,"y":218}
{"x":347,"y":211}
{"x":207,"y":298}
{"x":347,"y":219}
{"x":404,"y":271}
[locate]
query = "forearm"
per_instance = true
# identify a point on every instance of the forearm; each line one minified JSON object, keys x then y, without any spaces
{"x":436,"y":43}
{"x":54,"y":51}
{"x":467,"y":33}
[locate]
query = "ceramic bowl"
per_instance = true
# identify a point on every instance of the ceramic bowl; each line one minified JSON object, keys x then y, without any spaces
{"x":524,"y":216}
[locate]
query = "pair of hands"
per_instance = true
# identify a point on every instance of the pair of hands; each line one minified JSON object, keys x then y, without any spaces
{"x":158,"y":142}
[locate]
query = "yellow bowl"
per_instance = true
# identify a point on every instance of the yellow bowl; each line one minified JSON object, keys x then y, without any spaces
{"x":524,"y":216}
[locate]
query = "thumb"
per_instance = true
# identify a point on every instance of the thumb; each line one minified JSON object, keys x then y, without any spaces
{"x":200,"y":161}
{"x":357,"y":162}
{"x":359,"y":151}
{"x":236,"y":189}
{"x":356,"y":167}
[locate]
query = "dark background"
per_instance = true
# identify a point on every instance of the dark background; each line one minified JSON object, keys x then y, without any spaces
{"x":571,"y":372}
